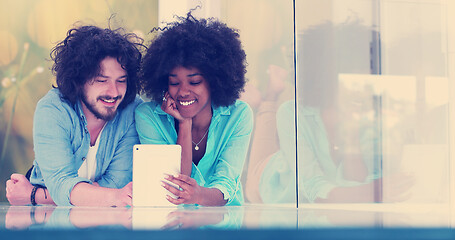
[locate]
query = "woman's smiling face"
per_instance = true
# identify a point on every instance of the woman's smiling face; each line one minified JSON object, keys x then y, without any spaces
{"x":190,"y":91}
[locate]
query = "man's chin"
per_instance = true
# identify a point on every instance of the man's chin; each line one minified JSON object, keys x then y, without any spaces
{"x":109,"y":116}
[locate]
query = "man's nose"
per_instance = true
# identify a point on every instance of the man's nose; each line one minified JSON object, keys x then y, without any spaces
{"x":113,"y":89}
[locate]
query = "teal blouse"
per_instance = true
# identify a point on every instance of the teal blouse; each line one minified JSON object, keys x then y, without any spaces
{"x":227,"y":144}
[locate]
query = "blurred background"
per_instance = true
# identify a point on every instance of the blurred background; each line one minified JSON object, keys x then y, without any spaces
{"x":351,"y":98}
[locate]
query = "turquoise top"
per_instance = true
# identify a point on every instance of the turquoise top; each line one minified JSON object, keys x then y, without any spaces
{"x":227,"y":144}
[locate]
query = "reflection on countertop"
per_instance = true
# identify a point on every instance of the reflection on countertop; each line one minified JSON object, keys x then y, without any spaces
{"x":227,"y":218}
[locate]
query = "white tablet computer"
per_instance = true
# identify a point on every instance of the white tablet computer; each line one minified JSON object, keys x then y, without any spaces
{"x":150,"y":164}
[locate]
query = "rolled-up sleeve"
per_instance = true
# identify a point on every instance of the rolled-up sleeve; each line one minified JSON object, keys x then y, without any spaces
{"x":53,"y":151}
{"x":230,"y":161}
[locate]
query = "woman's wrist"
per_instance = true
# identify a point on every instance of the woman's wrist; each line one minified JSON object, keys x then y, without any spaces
{"x":210,"y":197}
{"x":186,"y":122}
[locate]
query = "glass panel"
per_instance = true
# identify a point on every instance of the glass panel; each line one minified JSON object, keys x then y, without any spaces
{"x":372,"y":101}
{"x":269,"y":174}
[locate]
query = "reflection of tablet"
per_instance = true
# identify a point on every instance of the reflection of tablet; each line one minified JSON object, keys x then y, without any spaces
{"x":150,"y":164}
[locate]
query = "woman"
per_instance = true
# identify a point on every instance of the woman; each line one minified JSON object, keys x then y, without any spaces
{"x":194,"y":72}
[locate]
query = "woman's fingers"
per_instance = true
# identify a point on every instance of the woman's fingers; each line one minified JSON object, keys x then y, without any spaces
{"x":178,"y":181}
{"x":182,"y":186}
{"x":175,"y":201}
{"x":171,"y":188}
{"x":186,"y":179}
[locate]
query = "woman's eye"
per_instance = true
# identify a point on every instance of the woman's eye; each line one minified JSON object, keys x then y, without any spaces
{"x":195,"y":83}
{"x":173,"y":84}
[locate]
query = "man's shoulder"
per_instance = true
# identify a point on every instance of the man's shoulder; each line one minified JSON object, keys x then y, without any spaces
{"x":130,"y":108}
{"x":53,"y":100}
{"x":53,"y":109}
{"x":126,"y":114}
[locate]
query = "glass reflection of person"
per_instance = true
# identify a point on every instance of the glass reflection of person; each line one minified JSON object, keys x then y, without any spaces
{"x":51,"y":217}
{"x":205,"y":218}
{"x":334,"y":164}
{"x":27,"y":217}
{"x":84,"y":129}
{"x":194,"y":72}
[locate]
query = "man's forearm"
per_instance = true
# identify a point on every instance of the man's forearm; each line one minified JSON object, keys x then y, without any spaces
{"x":85,"y":194}
{"x":42,"y":197}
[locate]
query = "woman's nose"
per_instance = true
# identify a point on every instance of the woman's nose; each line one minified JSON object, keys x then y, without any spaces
{"x":184,"y":91}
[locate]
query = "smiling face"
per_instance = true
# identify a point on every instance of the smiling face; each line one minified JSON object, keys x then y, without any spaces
{"x":104,"y":93}
{"x":190,"y":90}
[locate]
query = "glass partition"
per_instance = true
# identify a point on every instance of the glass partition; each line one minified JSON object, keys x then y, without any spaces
{"x":372,"y":103}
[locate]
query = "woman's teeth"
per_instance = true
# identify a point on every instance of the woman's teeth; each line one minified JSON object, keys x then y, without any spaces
{"x":187,"y":103}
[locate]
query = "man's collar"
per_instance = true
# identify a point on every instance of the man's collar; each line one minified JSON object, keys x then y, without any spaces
{"x":80,"y":112}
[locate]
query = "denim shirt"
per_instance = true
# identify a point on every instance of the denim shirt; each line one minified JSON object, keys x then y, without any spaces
{"x":227,"y":144}
{"x":61,"y":143}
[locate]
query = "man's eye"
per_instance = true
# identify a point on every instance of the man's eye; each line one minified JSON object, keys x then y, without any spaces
{"x":100,"y":80}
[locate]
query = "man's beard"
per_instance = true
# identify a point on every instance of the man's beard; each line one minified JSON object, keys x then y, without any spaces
{"x":110,"y":112}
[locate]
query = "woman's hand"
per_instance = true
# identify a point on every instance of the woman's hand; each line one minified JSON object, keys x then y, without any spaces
{"x":170,"y":107}
{"x":189,"y":192}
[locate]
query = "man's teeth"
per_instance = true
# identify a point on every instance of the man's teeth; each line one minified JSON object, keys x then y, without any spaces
{"x":187,"y":103}
{"x":109,"y":101}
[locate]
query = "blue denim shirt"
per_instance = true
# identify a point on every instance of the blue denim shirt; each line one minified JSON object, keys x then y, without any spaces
{"x":227,"y":144}
{"x":61,"y":142}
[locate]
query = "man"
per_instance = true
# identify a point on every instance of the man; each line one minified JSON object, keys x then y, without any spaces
{"x":84,"y":129}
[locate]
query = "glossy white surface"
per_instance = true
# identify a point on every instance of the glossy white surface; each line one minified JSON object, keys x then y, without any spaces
{"x":244,"y":217}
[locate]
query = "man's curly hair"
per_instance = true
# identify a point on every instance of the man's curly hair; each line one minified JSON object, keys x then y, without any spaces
{"x":77,"y":59}
{"x":205,"y":44}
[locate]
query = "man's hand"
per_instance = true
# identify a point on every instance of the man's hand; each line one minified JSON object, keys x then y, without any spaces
{"x":18,"y":190}
{"x":123,"y":196}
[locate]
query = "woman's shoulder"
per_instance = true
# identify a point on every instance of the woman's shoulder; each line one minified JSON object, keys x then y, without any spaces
{"x":148,"y":107}
{"x":239,"y":114}
{"x":240,"y":107}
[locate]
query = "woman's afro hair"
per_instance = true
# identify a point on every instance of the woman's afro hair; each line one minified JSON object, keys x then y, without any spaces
{"x":205,"y":44}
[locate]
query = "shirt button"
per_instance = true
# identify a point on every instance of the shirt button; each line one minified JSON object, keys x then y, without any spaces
{"x":83,"y":159}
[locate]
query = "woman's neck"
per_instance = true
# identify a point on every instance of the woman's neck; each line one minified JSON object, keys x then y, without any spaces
{"x":202,"y":120}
